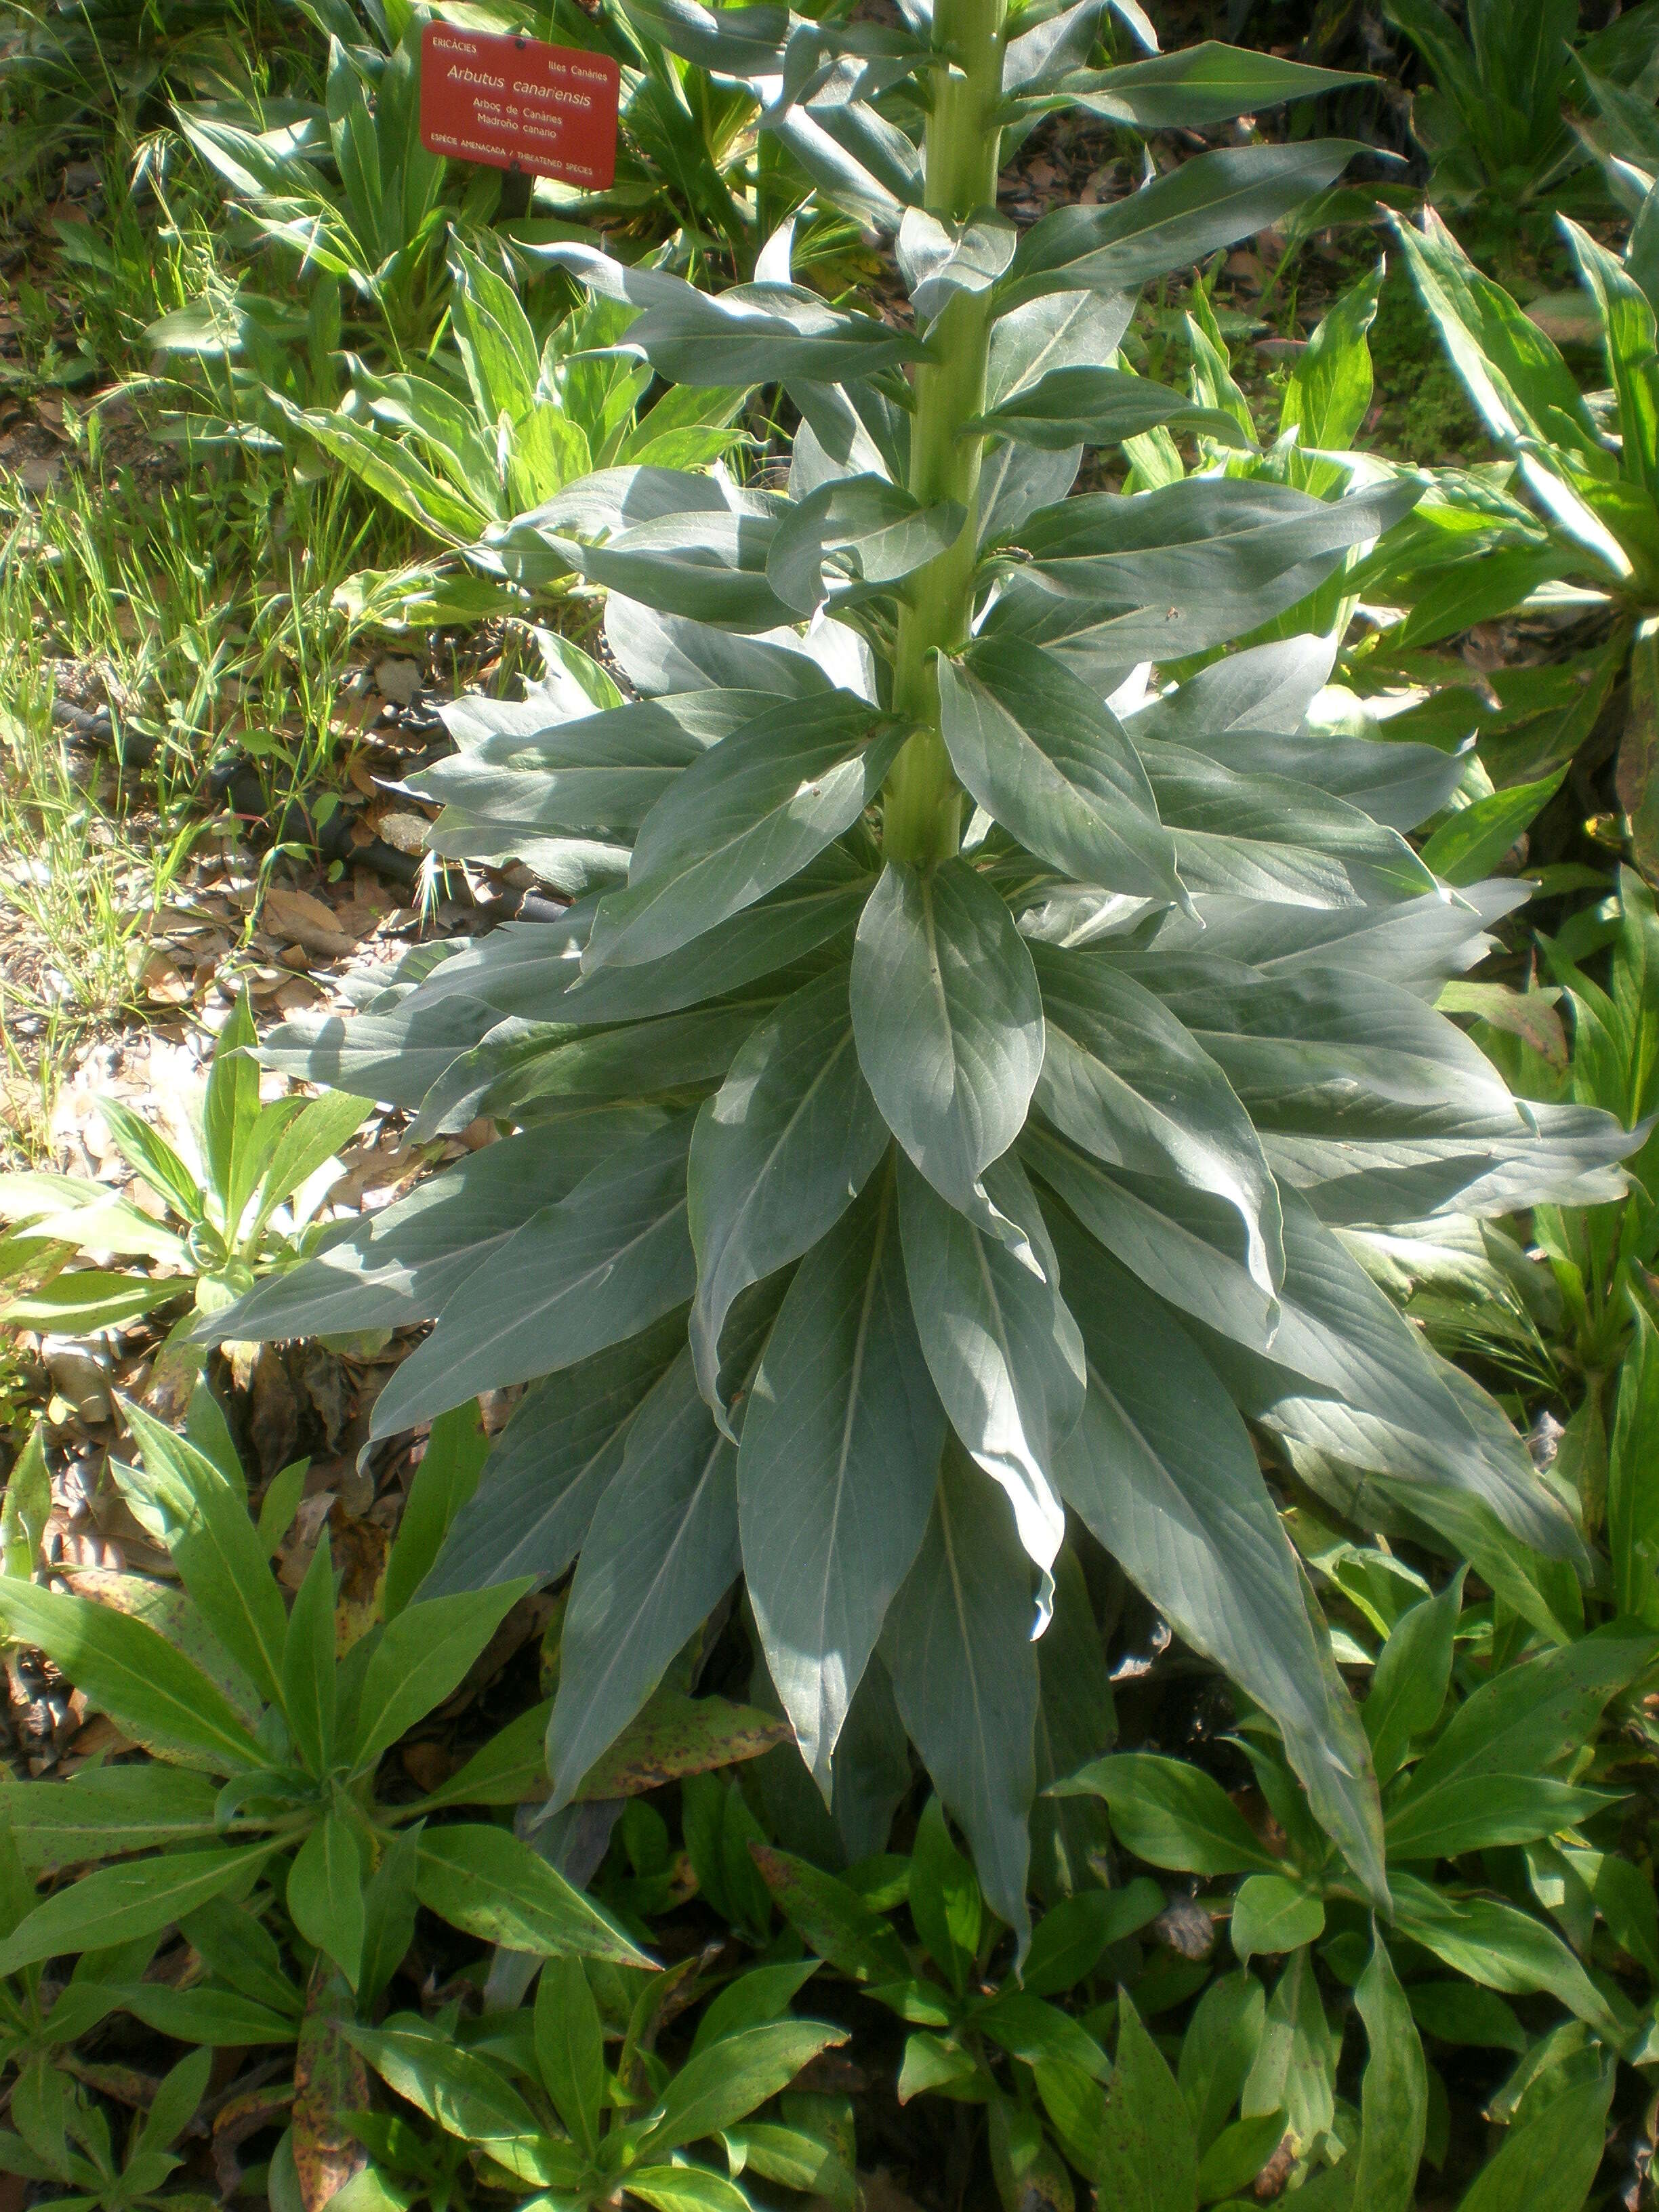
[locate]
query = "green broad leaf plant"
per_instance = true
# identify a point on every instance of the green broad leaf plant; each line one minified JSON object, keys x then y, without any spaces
{"x":498,"y":428}
{"x":58,"y":2135}
{"x":1569,"y":523}
{"x":264,"y":1747}
{"x":1494,"y":120}
{"x":1068,"y":2059}
{"x":240,"y":1202}
{"x":345,"y":192}
{"x":933,"y":1127}
{"x":529,"y":2097}
{"x":1515,"y":1925}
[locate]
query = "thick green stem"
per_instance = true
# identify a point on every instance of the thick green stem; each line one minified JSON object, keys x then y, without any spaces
{"x":922,"y":816}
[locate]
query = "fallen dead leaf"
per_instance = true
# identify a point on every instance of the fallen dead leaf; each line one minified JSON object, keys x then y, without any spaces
{"x":302,"y":920}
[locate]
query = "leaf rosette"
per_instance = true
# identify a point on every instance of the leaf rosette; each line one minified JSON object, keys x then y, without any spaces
{"x":939,"y":1118}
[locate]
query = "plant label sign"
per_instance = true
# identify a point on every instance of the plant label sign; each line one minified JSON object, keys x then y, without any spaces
{"x":517,"y":103}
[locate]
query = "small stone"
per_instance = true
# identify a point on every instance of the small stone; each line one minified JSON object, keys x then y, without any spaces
{"x":398,"y":680}
{"x":404,"y":832}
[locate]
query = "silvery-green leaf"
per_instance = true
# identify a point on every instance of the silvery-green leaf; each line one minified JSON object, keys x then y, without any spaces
{"x":403,"y":1263}
{"x":1015,"y":481}
{"x":1125,"y":1080}
{"x":1331,"y":1362}
{"x":1053,"y":48}
{"x":1000,"y":1344}
{"x":846,"y":430}
{"x":837,"y":1468}
{"x":1037,"y":751}
{"x":1064,"y":329}
{"x":1417,"y":945}
{"x":872,"y":531}
{"x":534,"y":971}
{"x":599,"y":1266}
{"x":395,"y":1056}
{"x":860,"y":163}
{"x":661,"y":1551}
{"x":937,"y":259}
{"x":1266,"y":687}
{"x":1109,"y":582}
{"x":611,"y":500}
{"x":1395,"y":785}
{"x":1210,"y":201}
{"x":1235,"y":829}
{"x":709,"y":568}
{"x":948,"y":1020}
{"x":663,"y":653}
{"x":1325,"y":1052}
{"x":740,"y":42}
{"x":546,"y":1472}
{"x":1099,"y":407}
{"x":740,"y":822}
{"x":1572,"y":1157}
{"x":778,"y":1154}
{"x":1201,"y":85}
{"x":555,"y":1071}
{"x":643,"y":736}
{"x":957,"y":1643}
{"x":751,"y":334}
{"x":1162,"y":1469}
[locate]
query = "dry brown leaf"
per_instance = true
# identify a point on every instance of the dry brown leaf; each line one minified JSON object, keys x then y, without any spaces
{"x":299,"y":918}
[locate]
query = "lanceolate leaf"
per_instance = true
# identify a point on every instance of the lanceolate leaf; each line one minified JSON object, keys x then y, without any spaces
{"x":1127,"y":1081}
{"x":1505,"y":1739}
{"x":1088,"y":406}
{"x":535,"y":1495}
{"x":1003,"y":1349}
{"x":873,"y":532}
{"x":1394,"y":2094}
{"x":1149,"y":2158}
{"x":103,"y":1812}
{"x":1040,"y":753}
{"x":1499,"y":1945}
{"x":485,"y":1881}
{"x":778,"y":1153}
{"x":740,"y":822}
{"x":577,"y":1277}
{"x":218,"y":1553}
{"x":957,"y":1643}
{"x":1111,"y":580}
{"x":403,"y":1263}
{"x":1207,"y":203}
{"x":948,"y":1020}
{"x":837,"y":1469}
{"x":133,"y":1674}
{"x":1201,"y":84}
{"x":1161,"y":1468}
{"x":120,"y":1903}
{"x":750,"y":334}
{"x":662,"y":1549}
{"x":1272,"y":834}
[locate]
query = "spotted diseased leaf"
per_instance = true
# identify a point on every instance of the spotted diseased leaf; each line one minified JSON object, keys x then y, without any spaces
{"x":329,"y":2080}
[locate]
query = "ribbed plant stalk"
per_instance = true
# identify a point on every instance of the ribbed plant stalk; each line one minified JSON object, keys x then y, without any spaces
{"x":923,"y":802}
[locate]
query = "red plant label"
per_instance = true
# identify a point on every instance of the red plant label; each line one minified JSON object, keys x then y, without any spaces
{"x":519,"y":103}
